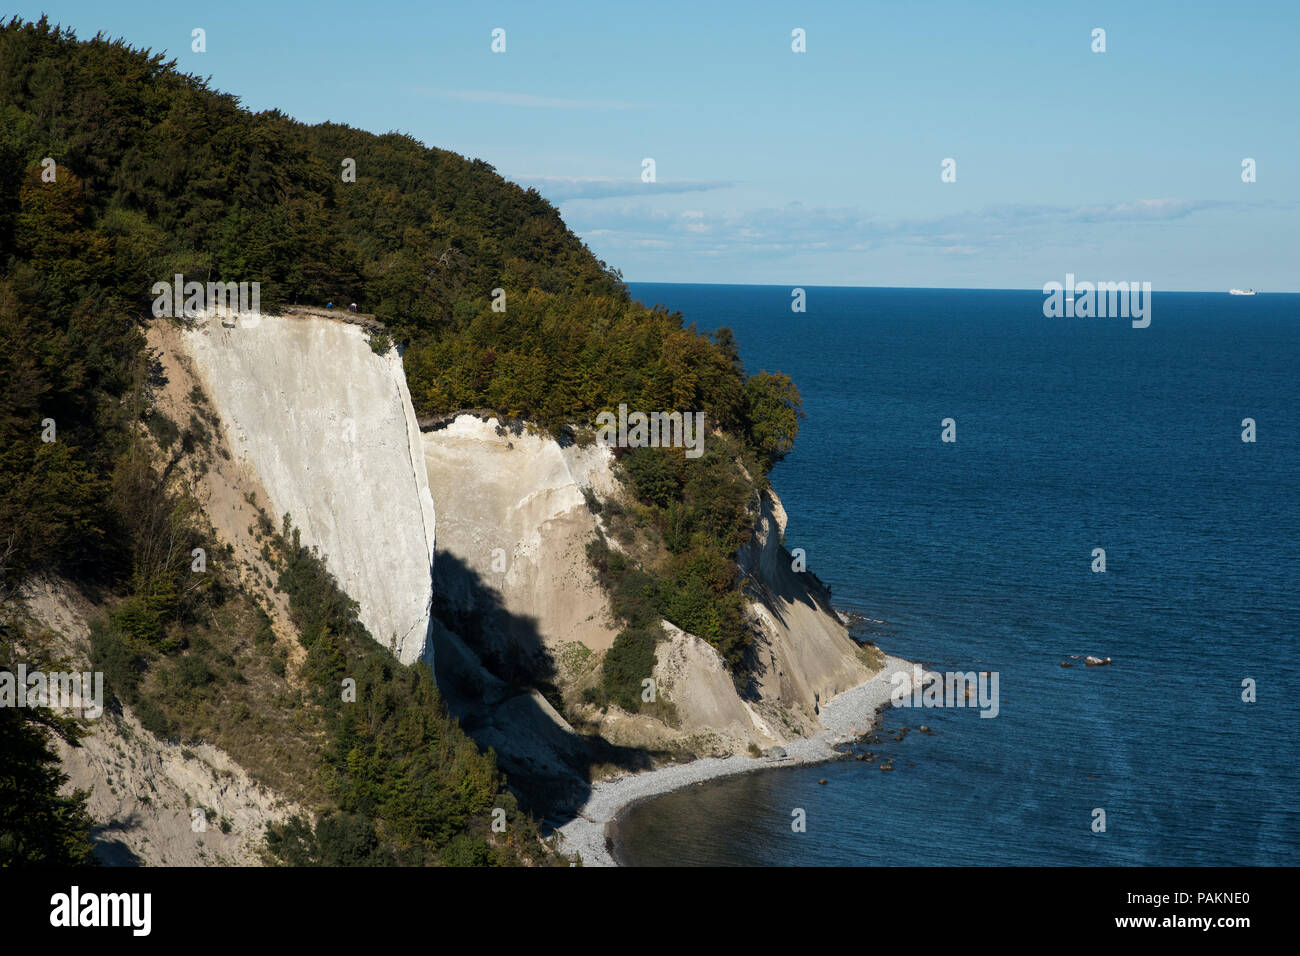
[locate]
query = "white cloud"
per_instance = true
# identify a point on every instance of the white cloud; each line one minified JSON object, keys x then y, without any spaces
{"x":528,"y":100}
{"x":560,"y":189}
{"x":754,"y":232}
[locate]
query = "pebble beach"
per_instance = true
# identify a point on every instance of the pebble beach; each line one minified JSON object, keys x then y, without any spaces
{"x":845,"y":718}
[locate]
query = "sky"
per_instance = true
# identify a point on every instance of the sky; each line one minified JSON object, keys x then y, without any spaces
{"x":821,"y":167}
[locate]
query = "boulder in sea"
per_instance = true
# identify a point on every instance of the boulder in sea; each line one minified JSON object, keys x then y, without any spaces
{"x":822,"y":781}
{"x":925,"y":729}
{"x":1066,"y":664}
{"x":1096,"y":661}
{"x":887,"y":766}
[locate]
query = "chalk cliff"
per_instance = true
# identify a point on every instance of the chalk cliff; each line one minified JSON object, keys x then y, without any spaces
{"x":328,"y":427}
{"x":511,"y":547}
{"x":515,"y":523}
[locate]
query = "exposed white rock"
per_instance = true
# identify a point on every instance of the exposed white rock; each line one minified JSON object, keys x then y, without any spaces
{"x":693,"y":676}
{"x":524,"y":495}
{"x":328,"y":427}
{"x":514,"y":529}
{"x":804,"y":651}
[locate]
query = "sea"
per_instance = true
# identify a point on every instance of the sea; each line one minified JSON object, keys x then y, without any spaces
{"x":979,"y":554}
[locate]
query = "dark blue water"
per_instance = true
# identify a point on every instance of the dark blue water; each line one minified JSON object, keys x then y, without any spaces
{"x":1072,"y":434}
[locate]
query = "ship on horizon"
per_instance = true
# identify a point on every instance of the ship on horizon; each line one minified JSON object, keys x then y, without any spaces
{"x":1241,"y":292}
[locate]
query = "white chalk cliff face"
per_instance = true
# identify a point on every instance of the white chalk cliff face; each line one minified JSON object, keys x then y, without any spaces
{"x":328,"y":427}
{"x":515,"y":524}
{"x":524,"y":495}
{"x":804,"y":652}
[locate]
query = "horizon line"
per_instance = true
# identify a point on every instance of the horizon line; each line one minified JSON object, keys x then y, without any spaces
{"x":924,"y":288}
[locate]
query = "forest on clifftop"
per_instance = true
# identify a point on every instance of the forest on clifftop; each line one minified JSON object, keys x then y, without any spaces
{"x":116,"y":172}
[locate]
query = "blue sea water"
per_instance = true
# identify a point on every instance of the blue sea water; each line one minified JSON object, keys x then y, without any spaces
{"x":1072,"y":434}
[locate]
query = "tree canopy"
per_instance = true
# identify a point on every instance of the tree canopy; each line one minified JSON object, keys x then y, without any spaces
{"x":117,"y":171}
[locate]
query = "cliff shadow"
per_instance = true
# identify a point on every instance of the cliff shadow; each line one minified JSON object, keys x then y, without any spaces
{"x":770,"y":577}
{"x":109,"y":849}
{"x":510,"y":646}
{"x":771,"y":573}
{"x":498,"y":679}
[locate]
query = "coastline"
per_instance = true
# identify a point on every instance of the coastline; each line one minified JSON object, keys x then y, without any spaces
{"x":845,"y":718}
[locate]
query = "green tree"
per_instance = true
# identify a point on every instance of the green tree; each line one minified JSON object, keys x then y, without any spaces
{"x":774,"y":408}
{"x":39,"y":825}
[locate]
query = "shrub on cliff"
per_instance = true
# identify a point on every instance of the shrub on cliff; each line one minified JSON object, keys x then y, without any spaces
{"x":337,"y":839}
{"x":656,"y":475}
{"x":698,"y":514}
{"x":628,"y":662}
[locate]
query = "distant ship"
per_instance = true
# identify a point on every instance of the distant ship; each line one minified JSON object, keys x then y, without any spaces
{"x":1241,"y":292}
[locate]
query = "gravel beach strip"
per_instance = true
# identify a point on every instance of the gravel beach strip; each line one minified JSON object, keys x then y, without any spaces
{"x":845,"y":718}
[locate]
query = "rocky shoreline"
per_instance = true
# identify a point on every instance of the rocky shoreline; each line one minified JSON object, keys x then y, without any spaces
{"x":845,"y":718}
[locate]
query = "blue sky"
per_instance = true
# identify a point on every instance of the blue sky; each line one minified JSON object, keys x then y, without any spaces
{"x":820,"y":168}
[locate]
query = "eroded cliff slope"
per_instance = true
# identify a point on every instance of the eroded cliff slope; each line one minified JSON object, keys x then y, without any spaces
{"x":512,"y":570}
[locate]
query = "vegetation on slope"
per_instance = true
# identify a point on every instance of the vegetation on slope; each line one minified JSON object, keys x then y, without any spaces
{"x":117,"y":172}
{"x":409,"y":786}
{"x":39,"y":826}
{"x":392,"y":777}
